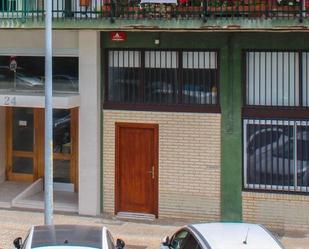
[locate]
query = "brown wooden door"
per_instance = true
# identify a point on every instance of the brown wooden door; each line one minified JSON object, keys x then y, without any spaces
{"x":22,"y":143}
{"x":137,"y":168}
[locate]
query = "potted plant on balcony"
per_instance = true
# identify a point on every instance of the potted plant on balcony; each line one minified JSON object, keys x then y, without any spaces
{"x":288,"y":7}
{"x":84,"y":2}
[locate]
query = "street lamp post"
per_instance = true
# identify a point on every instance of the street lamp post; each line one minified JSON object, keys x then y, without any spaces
{"x":48,"y":184}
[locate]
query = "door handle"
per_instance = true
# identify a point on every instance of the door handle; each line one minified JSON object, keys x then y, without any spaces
{"x":152,"y":172}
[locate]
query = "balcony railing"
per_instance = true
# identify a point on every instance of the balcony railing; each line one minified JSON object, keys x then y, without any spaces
{"x":143,"y":9}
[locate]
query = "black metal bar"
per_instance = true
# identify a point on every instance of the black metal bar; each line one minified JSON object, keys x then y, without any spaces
{"x":301,"y":83}
{"x":301,"y":11}
{"x":272,"y":155}
{"x":205,"y":10}
{"x":181,"y":75}
{"x":112,"y":11}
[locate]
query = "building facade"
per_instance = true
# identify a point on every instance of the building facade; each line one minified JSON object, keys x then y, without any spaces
{"x":196,"y":110}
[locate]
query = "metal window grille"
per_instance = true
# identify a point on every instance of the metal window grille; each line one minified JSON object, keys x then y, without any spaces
{"x":199,"y":77}
{"x":163,"y":77}
{"x":305,"y":78}
{"x":276,"y":155}
{"x":124,"y":76}
{"x":272,"y":78}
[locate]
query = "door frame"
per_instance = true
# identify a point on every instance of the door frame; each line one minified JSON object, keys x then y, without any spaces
{"x":155,"y":128}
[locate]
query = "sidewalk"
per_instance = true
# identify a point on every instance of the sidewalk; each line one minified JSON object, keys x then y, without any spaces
{"x":140,"y":234}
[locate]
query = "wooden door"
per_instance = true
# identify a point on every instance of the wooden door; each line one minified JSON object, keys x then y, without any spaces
{"x":22,"y":143}
{"x":136,"y":168}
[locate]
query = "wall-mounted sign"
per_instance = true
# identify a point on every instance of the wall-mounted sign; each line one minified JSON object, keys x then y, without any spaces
{"x":9,"y":100}
{"x":118,"y":35}
{"x":13,"y":65}
{"x":22,"y":123}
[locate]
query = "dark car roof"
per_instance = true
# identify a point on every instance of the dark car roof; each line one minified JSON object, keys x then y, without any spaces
{"x":67,"y":235}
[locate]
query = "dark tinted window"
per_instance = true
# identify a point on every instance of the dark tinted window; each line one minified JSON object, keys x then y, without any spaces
{"x":179,"y":239}
{"x":30,"y":73}
{"x":270,"y":154}
{"x":190,"y":242}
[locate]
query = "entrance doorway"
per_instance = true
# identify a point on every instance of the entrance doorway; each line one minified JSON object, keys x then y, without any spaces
{"x":136,"y":168}
{"x":25,"y":145}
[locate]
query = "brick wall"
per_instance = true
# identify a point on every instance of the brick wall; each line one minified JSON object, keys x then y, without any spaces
{"x":278,"y":211}
{"x":189,"y":162}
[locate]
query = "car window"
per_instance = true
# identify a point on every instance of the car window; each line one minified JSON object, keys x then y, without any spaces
{"x":190,"y":242}
{"x":179,"y":239}
{"x":110,"y":241}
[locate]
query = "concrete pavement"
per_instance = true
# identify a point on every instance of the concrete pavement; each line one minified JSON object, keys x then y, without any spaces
{"x":14,"y":223}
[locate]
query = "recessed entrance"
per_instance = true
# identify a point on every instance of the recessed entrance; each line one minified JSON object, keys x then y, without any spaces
{"x":136,"y":168}
{"x":25,"y":145}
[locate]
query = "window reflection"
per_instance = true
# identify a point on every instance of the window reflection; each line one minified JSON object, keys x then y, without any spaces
{"x":30,"y":74}
{"x":277,"y":153}
{"x":22,"y":165}
{"x":62,"y":131}
{"x":23,"y":133}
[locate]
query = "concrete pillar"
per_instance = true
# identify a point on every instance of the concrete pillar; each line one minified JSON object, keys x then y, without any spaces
{"x":2,"y":144}
{"x":89,"y":122}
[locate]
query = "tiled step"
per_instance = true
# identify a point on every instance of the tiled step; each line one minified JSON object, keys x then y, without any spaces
{"x":135,"y":216}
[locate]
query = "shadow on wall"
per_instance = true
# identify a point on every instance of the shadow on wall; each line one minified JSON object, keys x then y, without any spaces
{"x":2,"y":176}
{"x":2,"y":145}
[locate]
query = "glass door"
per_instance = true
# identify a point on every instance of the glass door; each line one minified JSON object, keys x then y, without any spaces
{"x":64,"y":148}
{"x":21,"y":144}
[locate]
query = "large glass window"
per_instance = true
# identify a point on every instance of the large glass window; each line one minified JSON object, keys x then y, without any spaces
{"x":124,"y":76}
{"x":199,"y":78}
{"x":276,"y":142}
{"x":28,"y":74}
{"x":162,"y":77}
{"x":276,"y":154}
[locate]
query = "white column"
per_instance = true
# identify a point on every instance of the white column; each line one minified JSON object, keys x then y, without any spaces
{"x":2,"y":144}
{"x":89,"y":122}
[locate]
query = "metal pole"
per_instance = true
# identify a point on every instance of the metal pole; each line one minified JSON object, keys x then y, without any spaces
{"x":48,"y":116}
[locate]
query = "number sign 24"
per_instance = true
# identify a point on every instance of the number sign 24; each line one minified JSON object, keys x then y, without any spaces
{"x":9,"y":100}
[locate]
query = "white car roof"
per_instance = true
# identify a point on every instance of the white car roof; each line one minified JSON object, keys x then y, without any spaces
{"x":236,"y":236}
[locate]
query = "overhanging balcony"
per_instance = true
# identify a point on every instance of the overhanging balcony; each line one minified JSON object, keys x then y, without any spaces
{"x":135,"y":12}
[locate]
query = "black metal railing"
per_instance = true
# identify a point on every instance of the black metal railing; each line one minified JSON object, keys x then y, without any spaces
{"x":141,"y":9}
{"x":276,"y":154}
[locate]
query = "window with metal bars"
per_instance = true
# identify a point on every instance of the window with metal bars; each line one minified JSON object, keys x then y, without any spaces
{"x":276,"y":154}
{"x":276,"y":141}
{"x":162,"y":77}
{"x":278,"y":78}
